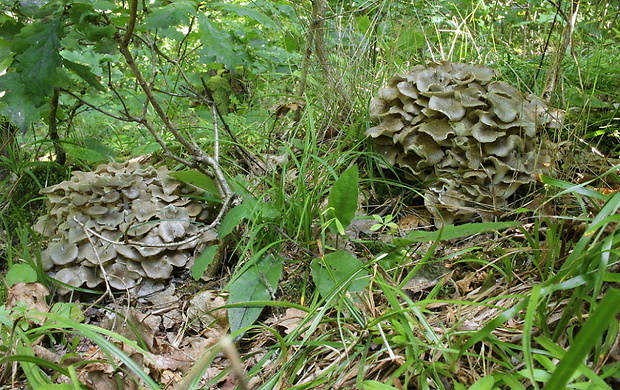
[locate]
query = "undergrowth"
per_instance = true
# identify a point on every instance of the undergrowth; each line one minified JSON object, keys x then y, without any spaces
{"x":526,"y":302}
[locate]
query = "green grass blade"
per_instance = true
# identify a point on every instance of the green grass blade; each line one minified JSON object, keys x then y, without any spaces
{"x":587,"y":338}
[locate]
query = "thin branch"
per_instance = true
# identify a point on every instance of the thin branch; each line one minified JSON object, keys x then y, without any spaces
{"x":133,"y":14}
{"x":86,"y":103}
{"x":553,"y":75}
{"x":168,"y":245}
{"x":52,"y":120}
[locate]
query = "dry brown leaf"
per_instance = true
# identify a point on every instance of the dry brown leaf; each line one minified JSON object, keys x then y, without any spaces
{"x":289,"y":320}
{"x":205,"y":311}
{"x":32,"y":295}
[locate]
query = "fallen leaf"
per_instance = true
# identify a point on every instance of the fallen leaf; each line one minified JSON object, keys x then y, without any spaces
{"x":290,"y":320}
{"x":31,"y":295}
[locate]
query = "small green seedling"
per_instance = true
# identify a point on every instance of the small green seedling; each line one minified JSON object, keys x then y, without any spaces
{"x":384,"y":223}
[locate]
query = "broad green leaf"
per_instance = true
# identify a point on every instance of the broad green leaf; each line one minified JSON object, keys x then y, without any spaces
{"x":147,"y":148}
{"x":291,"y":42}
{"x":342,"y":199}
{"x":38,"y":63}
{"x":84,"y":73}
{"x":411,"y":40}
{"x":68,"y":310}
{"x":104,"y":5}
{"x":96,"y":33}
{"x":363,"y":24}
{"x":5,"y":317}
{"x":197,"y":179}
{"x":450,"y":232}
{"x":203,"y":261}
{"x":484,"y":383}
{"x":97,"y":146}
{"x":217,"y":46}
{"x":244,"y":10}
{"x":257,"y":283}
{"x":261,"y":210}
{"x":374,"y":385}
{"x":233,"y":218}
{"x":86,"y":154}
{"x":18,"y":105}
{"x":336,"y":269}
{"x":20,"y":273}
{"x":173,"y":14}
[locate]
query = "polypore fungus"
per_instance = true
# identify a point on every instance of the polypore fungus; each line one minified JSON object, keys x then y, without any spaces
{"x":472,"y":140}
{"x":122,"y":224}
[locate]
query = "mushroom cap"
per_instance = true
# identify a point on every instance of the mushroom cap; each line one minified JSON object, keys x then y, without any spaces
{"x":475,"y":139}
{"x":90,"y":216}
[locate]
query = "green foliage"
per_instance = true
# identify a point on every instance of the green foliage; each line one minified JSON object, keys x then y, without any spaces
{"x":451,"y":232}
{"x":197,"y":179}
{"x":338,"y":270}
{"x":20,"y":273}
{"x":386,"y":222}
{"x":72,"y":46}
{"x":342,"y":201}
{"x":36,"y":59}
{"x":252,"y":287}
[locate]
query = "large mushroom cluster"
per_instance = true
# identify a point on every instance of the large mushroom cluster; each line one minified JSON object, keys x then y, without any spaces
{"x":123,"y":224}
{"x":471,"y":139}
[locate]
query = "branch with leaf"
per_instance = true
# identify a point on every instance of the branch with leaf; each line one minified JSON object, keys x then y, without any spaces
{"x":199,"y":160}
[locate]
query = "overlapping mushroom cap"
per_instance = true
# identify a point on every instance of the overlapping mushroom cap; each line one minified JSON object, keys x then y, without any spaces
{"x":472,"y":139}
{"x":93,"y":213}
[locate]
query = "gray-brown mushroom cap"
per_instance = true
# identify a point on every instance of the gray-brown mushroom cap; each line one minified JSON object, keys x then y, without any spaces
{"x":138,"y":223}
{"x":453,"y":126}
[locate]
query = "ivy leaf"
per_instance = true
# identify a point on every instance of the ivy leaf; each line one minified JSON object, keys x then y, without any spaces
{"x":256,"y":283}
{"x":217,"y":46}
{"x":342,"y":199}
{"x":335,"y":269}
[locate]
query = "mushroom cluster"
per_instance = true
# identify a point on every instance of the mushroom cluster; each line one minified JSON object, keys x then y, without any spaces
{"x":471,"y":139}
{"x":123,"y":224}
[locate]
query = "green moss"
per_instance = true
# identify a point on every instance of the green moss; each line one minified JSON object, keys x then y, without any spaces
{"x":221,"y":90}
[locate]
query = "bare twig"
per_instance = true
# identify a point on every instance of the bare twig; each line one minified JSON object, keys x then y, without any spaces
{"x":168,"y":245}
{"x":108,"y":113}
{"x":108,"y":289}
{"x":61,"y":156}
{"x":553,"y":75}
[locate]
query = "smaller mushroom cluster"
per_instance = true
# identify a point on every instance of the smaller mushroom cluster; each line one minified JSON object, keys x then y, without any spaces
{"x":124,"y":224}
{"x":471,"y":139}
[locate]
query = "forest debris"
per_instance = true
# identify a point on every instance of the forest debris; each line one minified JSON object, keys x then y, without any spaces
{"x":32,"y":296}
